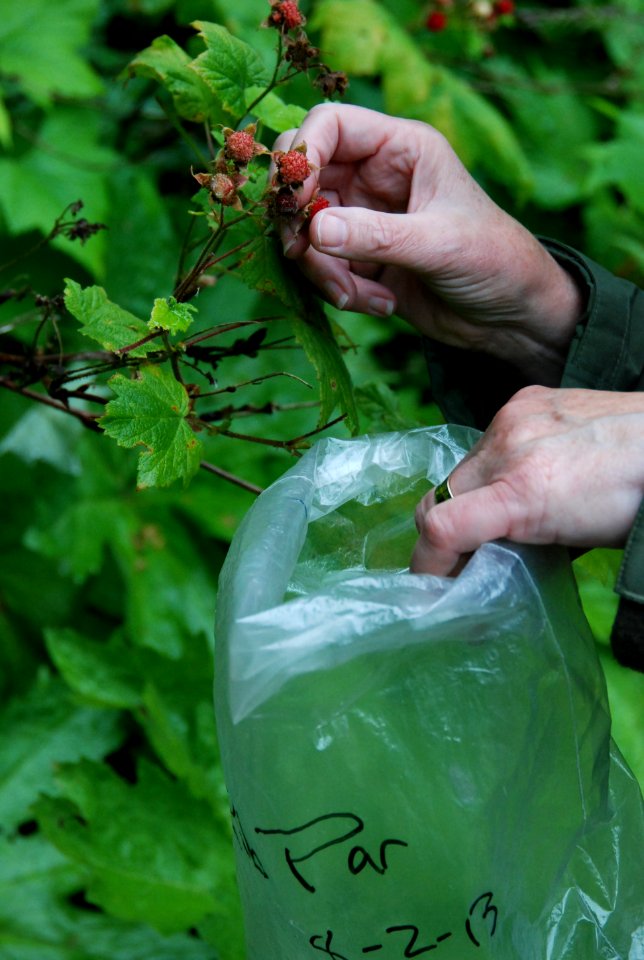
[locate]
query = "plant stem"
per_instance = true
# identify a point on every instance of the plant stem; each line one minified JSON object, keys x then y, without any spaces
{"x":87,"y":419}
{"x":238,"y":481}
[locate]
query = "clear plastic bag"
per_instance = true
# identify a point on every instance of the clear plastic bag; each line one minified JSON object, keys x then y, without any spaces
{"x":415,"y":764}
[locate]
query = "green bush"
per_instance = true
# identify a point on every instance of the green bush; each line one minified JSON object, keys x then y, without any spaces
{"x":114,"y":831}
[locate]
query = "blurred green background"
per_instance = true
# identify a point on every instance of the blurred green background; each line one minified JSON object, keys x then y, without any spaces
{"x":114,"y":834}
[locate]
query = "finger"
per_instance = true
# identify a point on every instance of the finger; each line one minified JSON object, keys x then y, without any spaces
{"x":355,"y":233}
{"x":343,"y":288}
{"x":459,"y":526}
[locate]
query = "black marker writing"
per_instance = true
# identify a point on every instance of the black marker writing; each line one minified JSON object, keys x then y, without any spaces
{"x":351,"y":825}
{"x":327,"y":946}
{"x":488,"y":910}
{"x":411,"y":950}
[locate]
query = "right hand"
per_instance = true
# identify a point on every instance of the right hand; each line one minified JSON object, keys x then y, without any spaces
{"x":410,"y":230}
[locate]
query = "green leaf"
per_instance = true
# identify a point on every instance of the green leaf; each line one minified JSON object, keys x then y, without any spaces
{"x":356,"y":33}
{"x":162,"y":863}
{"x":151,"y":411}
{"x":42,"y":46}
{"x":171,"y":315}
{"x":45,"y":435}
{"x":70,"y":160}
{"x":102,"y":673}
{"x":40,"y":730}
{"x":228,"y":66}
{"x":38,"y":921}
{"x":166,"y":62}
{"x":264,"y":268}
{"x":273,"y":112}
{"x":104,"y":321}
{"x":313,"y":332}
{"x":6,"y":133}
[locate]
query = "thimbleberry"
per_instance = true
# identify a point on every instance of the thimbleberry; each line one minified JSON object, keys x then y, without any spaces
{"x":284,"y":203}
{"x":240,"y":147}
{"x":436,"y":21}
{"x":285,"y":14}
{"x":504,"y":7}
{"x":320,"y":203}
{"x":292,"y":167}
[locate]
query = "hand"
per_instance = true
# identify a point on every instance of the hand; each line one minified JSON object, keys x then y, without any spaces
{"x":555,"y":466}
{"x":410,"y":230}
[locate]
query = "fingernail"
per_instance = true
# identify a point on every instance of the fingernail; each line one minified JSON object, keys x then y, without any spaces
{"x":332,"y":230}
{"x":288,"y":242}
{"x":381,"y":306}
{"x":336,"y":295}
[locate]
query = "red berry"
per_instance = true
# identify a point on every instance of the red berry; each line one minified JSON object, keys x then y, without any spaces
{"x":436,"y":21}
{"x":286,"y":14}
{"x":502,"y":7}
{"x":292,"y":167}
{"x":320,"y":203}
{"x":240,"y":147}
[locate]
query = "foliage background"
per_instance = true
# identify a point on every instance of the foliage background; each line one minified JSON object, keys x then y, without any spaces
{"x":114,"y":836}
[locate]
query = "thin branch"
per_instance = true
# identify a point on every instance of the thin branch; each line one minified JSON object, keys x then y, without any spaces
{"x":246,"y":383}
{"x":87,"y":419}
{"x":225,"y":475}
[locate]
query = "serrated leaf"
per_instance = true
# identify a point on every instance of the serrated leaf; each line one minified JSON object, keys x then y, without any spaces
{"x":151,"y":412}
{"x":40,"y":730}
{"x":273,"y":112}
{"x":57,"y":66}
{"x":38,"y":921}
{"x":161,"y":864}
{"x":228,"y":66}
{"x":263,"y":268}
{"x":104,"y":321}
{"x":166,"y":62}
{"x":101,"y":672}
{"x":171,"y":315}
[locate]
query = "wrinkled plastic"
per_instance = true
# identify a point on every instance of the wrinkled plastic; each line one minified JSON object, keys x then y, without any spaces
{"x":416,"y":765}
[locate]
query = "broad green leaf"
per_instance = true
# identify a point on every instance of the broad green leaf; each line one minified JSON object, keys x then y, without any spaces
{"x":41,"y":44}
{"x":138,"y":211}
{"x":46,"y":435}
{"x":151,"y":411}
{"x":103,"y":673}
{"x":166,"y":62}
{"x":39,"y":731}
{"x":356,"y":33}
{"x":6,"y":133}
{"x":273,"y":112}
{"x":70,"y":161}
{"x":265,"y":269}
{"x":619,"y":162}
{"x":172,"y":700}
{"x":104,"y":321}
{"x":161,"y":864}
{"x":228,"y":66}
{"x":38,"y":921}
{"x":171,"y":315}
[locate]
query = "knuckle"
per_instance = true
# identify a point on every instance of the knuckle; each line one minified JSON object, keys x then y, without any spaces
{"x":437,"y":528}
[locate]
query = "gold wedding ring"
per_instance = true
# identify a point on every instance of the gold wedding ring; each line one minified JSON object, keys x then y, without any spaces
{"x":443,"y":491}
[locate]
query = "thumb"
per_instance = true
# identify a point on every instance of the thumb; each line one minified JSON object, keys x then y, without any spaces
{"x":356,"y":233}
{"x":458,"y":526}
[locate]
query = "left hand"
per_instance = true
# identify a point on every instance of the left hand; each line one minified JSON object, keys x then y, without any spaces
{"x":555,"y":466}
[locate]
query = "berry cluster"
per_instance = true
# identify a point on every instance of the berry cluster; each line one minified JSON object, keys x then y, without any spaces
{"x":227,"y":176}
{"x":299,"y":52}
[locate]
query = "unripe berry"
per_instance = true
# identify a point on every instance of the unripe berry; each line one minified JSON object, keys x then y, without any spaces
{"x":224,"y":189}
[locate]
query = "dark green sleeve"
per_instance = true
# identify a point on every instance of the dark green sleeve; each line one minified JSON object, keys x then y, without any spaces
{"x":606,"y":353}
